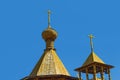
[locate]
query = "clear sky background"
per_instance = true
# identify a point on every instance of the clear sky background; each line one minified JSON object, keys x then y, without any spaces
{"x":22,"y":22}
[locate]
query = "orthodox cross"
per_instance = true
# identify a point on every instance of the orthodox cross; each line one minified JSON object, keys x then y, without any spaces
{"x":49,"y":12}
{"x":91,"y":43}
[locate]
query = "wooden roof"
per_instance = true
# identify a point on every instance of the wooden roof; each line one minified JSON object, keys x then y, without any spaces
{"x":49,"y":64}
{"x":92,"y":58}
{"x":49,"y":77}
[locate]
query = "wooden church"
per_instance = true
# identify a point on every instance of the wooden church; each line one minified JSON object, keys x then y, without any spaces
{"x":50,"y":67}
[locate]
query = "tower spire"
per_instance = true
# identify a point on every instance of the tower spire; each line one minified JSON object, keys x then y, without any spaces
{"x":49,"y":35}
{"x":91,"y":42}
{"x":49,"y":64}
{"x":49,"y":12}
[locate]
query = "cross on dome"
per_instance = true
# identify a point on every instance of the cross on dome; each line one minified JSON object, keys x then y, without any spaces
{"x":49,"y":12}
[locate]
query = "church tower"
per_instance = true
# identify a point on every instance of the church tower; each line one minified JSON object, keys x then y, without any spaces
{"x":49,"y":67}
{"x":94,"y":65}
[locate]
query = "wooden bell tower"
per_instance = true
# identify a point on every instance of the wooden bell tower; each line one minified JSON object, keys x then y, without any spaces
{"x":94,"y":65}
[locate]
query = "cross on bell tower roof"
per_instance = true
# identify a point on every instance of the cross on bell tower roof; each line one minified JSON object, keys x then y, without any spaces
{"x":92,"y":57}
{"x":94,"y":65}
{"x":91,"y":42}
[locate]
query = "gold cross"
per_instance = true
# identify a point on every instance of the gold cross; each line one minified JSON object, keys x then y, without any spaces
{"x":49,"y":12}
{"x":91,"y":43}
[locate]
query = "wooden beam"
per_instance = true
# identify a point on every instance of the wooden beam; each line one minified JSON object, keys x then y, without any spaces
{"x":87,"y":76}
{"x":102,"y":73}
{"x":94,"y":72}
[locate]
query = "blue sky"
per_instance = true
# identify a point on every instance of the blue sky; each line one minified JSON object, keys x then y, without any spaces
{"x":22,"y":22}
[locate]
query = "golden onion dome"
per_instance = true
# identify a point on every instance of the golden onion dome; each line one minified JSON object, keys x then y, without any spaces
{"x":49,"y":34}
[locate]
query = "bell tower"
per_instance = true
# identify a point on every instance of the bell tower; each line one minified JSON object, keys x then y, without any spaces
{"x":94,"y":65}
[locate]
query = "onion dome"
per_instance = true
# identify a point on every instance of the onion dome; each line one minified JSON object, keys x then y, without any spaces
{"x":49,"y":34}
